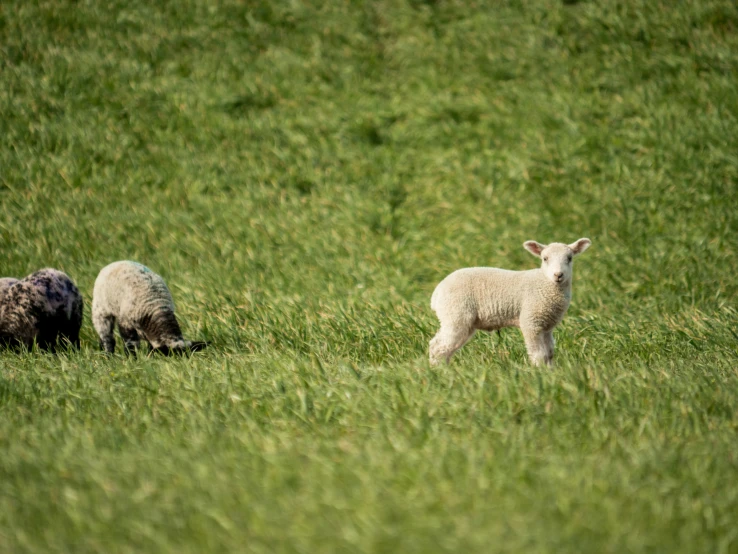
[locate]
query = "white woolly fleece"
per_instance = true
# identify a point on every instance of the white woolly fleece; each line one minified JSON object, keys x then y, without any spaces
{"x":487,"y":298}
{"x":140,"y":301}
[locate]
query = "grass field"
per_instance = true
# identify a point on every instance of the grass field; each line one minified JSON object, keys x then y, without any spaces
{"x":303,"y":174}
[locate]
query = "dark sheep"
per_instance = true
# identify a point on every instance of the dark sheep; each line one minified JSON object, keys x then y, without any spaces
{"x":44,"y":307}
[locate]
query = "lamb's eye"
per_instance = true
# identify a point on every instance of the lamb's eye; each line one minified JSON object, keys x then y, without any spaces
{"x":568,"y":260}
{"x":545,"y":258}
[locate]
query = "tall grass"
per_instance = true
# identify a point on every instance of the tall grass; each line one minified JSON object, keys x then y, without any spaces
{"x":303,"y":174}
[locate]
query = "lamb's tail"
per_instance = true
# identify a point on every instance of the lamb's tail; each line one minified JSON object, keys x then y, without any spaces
{"x":434,"y":300}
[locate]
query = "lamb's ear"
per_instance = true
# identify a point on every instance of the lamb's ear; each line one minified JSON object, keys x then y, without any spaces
{"x":534,"y":247}
{"x":580,"y":246}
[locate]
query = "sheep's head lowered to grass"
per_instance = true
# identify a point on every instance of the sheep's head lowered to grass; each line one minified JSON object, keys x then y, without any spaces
{"x":557,"y":257}
{"x":138,"y":300}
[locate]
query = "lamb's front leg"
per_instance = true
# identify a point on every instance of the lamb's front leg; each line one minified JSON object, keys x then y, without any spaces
{"x":540,"y":346}
{"x":104,"y":325}
{"x":548,"y":338}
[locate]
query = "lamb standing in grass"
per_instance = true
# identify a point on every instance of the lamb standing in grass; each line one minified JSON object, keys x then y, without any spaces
{"x":140,"y":301}
{"x":489,"y":299}
{"x":44,"y":307}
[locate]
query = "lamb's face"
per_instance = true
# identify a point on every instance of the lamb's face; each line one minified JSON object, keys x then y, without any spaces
{"x":557,"y":258}
{"x":557,"y":262}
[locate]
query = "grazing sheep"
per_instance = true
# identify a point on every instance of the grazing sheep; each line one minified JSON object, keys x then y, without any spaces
{"x":140,"y":301}
{"x":43,"y":307}
{"x":489,"y":299}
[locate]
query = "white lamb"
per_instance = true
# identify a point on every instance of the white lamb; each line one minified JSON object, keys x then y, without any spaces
{"x":489,"y":299}
{"x":140,"y":301}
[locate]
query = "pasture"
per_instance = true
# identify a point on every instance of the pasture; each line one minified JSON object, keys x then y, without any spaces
{"x":303,"y":174}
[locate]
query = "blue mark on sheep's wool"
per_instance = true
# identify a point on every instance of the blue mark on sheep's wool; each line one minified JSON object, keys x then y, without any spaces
{"x":140,"y":266}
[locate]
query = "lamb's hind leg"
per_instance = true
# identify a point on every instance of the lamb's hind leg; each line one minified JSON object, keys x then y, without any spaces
{"x":447,"y":341}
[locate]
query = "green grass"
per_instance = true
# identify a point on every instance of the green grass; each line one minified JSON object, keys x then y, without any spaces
{"x":303,"y":175}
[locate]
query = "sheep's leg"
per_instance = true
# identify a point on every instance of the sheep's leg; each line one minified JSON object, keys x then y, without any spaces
{"x":71,"y":336}
{"x":131,"y":339}
{"x":104,"y":325}
{"x":70,"y":332}
{"x":74,"y":324}
{"x":49,"y":329}
{"x":47,"y":342}
{"x":548,"y":340}
{"x":447,"y":341}
{"x":536,"y":342}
